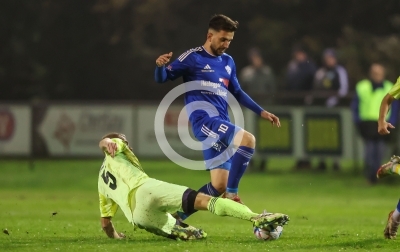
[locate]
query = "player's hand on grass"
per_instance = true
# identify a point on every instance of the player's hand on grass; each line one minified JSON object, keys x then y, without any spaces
{"x":108,"y":227}
{"x":163,"y":59}
{"x":119,"y":236}
{"x":271,"y":117}
{"x":383,"y":128}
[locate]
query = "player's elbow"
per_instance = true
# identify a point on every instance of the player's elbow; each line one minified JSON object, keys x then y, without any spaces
{"x":160,"y":78}
{"x":160,"y":81}
{"x":160,"y":75}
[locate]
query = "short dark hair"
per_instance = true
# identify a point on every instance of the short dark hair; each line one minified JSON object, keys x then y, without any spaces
{"x":300,"y":48}
{"x":255,"y":51}
{"x":220,"y":22}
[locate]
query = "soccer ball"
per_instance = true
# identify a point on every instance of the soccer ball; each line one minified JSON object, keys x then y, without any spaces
{"x":266,"y":235}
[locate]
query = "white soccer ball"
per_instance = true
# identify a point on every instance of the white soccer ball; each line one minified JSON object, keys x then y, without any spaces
{"x":266,"y":235}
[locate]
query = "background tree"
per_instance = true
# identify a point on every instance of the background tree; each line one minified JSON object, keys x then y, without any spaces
{"x":105,"y":49}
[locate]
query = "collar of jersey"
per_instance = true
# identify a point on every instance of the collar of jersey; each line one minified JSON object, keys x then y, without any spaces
{"x":204,"y":49}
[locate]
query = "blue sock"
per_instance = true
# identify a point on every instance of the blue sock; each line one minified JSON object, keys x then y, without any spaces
{"x":206,"y":189}
{"x":398,"y":206}
{"x":240,"y":161}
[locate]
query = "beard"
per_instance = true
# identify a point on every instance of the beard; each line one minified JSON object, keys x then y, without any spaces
{"x":217,"y":51}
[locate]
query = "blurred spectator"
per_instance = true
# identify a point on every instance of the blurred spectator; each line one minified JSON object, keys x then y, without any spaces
{"x":331,"y":77}
{"x":365,"y":108}
{"x":300,"y":71}
{"x":258,"y":79}
{"x":299,"y":77}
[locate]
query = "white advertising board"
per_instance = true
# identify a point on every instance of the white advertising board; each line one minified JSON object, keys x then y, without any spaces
{"x":147,"y":143}
{"x":75,"y":130}
{"x":15,"y":130}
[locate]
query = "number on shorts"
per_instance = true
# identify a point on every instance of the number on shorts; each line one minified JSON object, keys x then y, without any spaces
{"x":223,"y":128}
{"x":108,"y":177}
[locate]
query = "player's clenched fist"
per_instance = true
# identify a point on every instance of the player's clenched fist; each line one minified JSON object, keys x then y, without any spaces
{"x":108,"y":145}
{"x":163,"y":59}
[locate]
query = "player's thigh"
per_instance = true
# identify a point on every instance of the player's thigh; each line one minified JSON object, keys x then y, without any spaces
{"x":216,"y":136}
{"x":154,"y":221}
{"x":216,"y":130}
{"x":155,"y":199}
{"x":160,"y":195}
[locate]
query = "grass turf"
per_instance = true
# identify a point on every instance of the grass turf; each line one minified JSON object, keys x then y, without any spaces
{"x":329,"y":212}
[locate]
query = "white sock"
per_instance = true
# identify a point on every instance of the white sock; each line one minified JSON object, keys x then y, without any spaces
{"x":396,"y":216}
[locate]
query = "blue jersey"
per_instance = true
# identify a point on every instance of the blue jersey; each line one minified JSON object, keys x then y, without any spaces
{"x":215,"y":76}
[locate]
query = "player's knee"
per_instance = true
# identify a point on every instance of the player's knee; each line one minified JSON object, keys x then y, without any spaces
{"x":154,"y":202}
{"x":219,"y":186}
{"x":248,"y":140}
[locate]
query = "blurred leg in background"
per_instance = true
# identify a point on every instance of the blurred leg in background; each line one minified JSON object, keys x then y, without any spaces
{"x":374,"y":153}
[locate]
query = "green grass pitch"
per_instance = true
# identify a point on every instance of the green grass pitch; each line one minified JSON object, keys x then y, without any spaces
{"x":329,"y":212}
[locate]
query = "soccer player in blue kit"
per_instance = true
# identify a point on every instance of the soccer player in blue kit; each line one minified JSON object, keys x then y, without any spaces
{"x":209,"y":66}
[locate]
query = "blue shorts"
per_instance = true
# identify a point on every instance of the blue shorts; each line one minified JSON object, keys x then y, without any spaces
{"x":216,"y":135}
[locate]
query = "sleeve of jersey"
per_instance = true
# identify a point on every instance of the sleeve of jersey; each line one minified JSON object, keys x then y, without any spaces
{"x":241,"y":96}
{"x":108,"y":207}
{"x":395,"y":91}
{"x":176,"y":69}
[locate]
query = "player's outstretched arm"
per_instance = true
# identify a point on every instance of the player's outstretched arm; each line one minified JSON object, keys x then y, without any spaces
{"x":383,"y":126}
{"x":109,"y":229}
{"x":108,"y":146}
{"x":160,"y":74}
{"x":246,"y":101}
{"x":249,"y":103}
